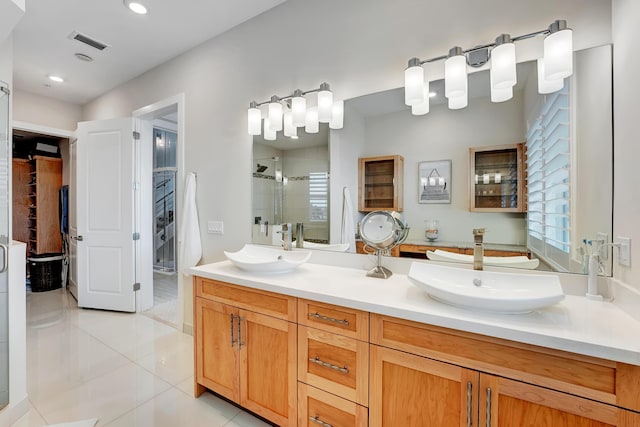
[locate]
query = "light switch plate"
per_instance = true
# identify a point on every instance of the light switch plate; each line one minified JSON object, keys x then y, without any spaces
{"x":624,"y":251}
{"x":215,"y":227}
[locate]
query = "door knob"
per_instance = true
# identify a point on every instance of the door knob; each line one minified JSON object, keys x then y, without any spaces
{"x":78,"y":238}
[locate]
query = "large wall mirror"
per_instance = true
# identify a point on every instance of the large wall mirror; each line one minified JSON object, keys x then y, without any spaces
{"x":380,"y":124}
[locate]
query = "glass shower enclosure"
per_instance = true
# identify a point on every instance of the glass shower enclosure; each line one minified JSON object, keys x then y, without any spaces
{"x":4,"y":241}
{"x":164,"y":199}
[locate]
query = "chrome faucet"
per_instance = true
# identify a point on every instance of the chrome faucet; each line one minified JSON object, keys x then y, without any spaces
{"x":478,"y":249}
{"x":286,"y":237}
{"x":299,"y":235}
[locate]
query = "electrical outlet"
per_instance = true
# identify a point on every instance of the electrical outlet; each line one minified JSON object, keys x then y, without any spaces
{"x":624,"y":251}
{"x":215,"y":227}
{"x":603,"y":239}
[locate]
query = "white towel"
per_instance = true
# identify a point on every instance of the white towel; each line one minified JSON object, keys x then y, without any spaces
{"x":348,"y":233}
{"x":190,"y":227}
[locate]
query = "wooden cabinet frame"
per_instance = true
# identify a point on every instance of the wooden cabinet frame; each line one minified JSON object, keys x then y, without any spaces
{"x":520,"y":192}
{"x":371,"y":188}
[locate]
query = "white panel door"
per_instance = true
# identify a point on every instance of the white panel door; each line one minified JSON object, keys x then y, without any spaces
{"x":104,"y":215}
{"x":73,"y":227}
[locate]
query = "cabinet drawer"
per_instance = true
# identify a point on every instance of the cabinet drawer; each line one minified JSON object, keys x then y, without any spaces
{"x":317,"y":408}
{"x":586,"y":376}
{"x":334,"y":363}
{"x":332,"y":318}
{"x":269,"y":303}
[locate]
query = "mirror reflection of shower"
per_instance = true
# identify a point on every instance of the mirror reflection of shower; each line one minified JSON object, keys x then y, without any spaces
{"x":268,"y":184}
{"x":164,"y":197}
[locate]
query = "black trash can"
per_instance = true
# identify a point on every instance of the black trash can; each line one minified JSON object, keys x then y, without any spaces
{"x":46,"y":272}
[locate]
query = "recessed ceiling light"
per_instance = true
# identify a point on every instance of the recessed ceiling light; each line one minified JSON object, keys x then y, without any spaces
{"x":83,"y":57}
{"x":137,"y":6}
{"x":56,"y":79}
{"x":432,"y":94}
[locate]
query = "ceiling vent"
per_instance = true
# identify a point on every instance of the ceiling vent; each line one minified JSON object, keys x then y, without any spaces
{"x":83,"y":38}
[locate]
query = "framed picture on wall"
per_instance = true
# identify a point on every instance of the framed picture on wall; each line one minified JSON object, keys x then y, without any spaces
{"x":434,"y":181}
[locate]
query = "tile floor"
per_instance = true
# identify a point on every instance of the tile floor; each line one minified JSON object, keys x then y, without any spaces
{"x":165,"y":298}
{"x":125,"y":369}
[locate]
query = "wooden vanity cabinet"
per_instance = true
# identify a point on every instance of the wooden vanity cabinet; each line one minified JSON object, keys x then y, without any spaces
{"x":380,"y":183}
{"x":501,"y":382}
{"x":293,"y":360}
{"x":497,"y":178}
{"x":245,"y":348}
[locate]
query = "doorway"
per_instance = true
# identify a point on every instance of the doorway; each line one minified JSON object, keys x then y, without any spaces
{"x":160,"y":176}
{"x":164,"y":211}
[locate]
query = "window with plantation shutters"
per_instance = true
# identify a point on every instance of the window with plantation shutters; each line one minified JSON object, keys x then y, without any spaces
{"x":549,"y":180}
{"x":319,"y":196}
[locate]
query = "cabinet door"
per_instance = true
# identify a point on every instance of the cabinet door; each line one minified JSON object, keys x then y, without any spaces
{"x":496,"y":178}
{"x":412,"y":391}
{"x":216,"y":348}
{"x":380,"y":183}
{"x":268,"y":367}
{"x":507,"y":403}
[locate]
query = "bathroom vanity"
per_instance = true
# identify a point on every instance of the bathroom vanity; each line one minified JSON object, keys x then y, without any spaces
{"x":325,"y":345}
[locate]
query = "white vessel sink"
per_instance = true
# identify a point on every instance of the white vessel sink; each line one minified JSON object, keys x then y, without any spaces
{"x":260,"y":259}
{"x":336,"y":247}
{"x":497,"y":261}
{"x":487,"y":290}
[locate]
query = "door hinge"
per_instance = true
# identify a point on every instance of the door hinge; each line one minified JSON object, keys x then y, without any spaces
{"x":5,"y":90}
{"x":136,"y":135}
{"x":136,"y":236}
{"x":136,"y":287}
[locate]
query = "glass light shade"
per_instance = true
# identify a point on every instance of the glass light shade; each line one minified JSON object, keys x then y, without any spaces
{"x":298,"y":109}
{"x":503,"y":66}
{"x":501,"y":95}
{"x":455,"y":77}
{"x":275,"y":116}
{"x":289,"y":129}
{"x":311,"y":121}
{"x":254,"y":121}
{"x":458,"y":102}
{"x":422,"y":108}
{"x":269,"y":134}
{"x":558,"y":55}
{"x":337,"y":116}
{"x":413,"y":85}
{"x":325,"y":106}
{"x":547,"y":86}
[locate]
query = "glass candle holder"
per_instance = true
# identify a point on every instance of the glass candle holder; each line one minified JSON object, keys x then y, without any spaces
{"x":431,"y":232}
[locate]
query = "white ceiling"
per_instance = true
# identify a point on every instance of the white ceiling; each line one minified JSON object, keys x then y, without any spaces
{"x":137,"y":43}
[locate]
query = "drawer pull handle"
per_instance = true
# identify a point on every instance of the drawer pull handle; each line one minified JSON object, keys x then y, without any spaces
{"x":317,"y":420}
{"x":319,"y":316}
{"x":317,"y":361}
{"x":488,"y":407}
{"x":469,"y":401}
{"x":233,"y":340}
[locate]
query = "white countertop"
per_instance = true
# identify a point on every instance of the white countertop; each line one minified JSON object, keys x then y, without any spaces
{"x":578,"y":325}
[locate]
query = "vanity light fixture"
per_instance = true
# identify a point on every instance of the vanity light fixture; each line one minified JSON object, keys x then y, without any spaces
{"x":295,"y":112}
{"x":556,"y":65}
